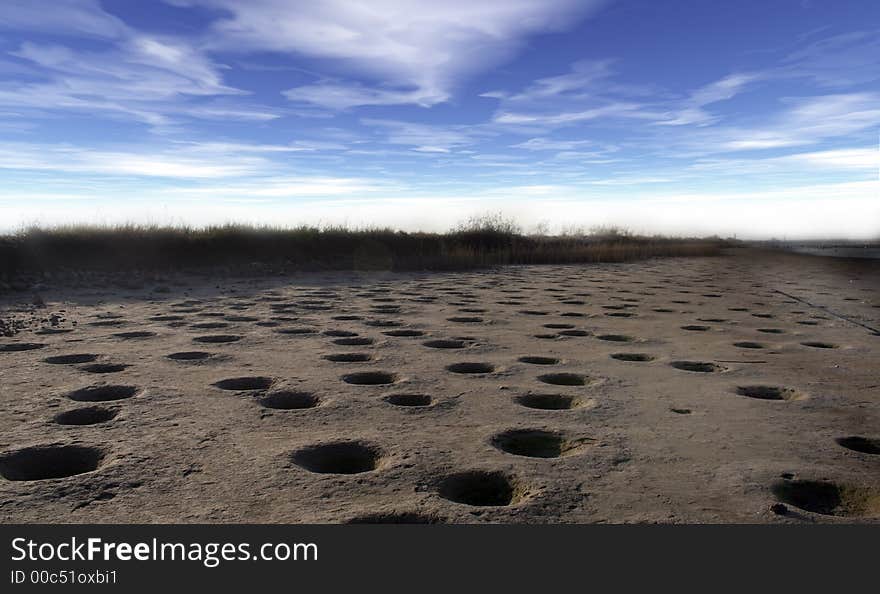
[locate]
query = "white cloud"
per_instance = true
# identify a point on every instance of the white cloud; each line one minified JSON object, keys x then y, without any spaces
{"x":415,"y":51}
{"x":434,"y":137}
{"x":692,"y":112}
{"x":807,"y":121}
{"x":549,"y":144}
{"x":612,"y":110}
{"x":68,"y":17}
{"x":182,"y":164}
{"x":864,"y":159}
{"x":341,"y":96}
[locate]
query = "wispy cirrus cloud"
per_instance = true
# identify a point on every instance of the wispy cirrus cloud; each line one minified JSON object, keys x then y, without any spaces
{"x":167,"y":163}
{"x":415,"y":52}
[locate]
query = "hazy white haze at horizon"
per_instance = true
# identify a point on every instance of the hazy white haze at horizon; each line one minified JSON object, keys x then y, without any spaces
{"x":747,"y":119}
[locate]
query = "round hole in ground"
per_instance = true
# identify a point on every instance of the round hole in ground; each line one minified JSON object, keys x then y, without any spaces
{"x":289,"y":400}
{"x":104,"y":367}
{"x":135,"y":334}
{"x":404,"y":333}
{"x":574,"y":333}
{"x":564,"y":379}
{"x":640,"y":357}
{"x":339,"y":457}
{"x":748,"y":345}
{"x":189,"y":356}
{"x":409,"y":399}
{"x":102,"y":393}
{"x":828,"y":498}
{"x":615,"y":338}
{"x":819,"y":345}
{"x":217,"y":338}
{"x":16,"y":347}
{"x":349,"y":357}
{"x":370,"y":378}
{"x":548,"y":401}
{"x":471,"y":367}
{"x":245,"y":383}
{"x":480,"y":488}
{"x":532,"y":443}
{"x":49,"y":462}
{"x":769,"y":392}
{"x":696,"y":366}
{"x":356,"y":341}
{"x":89,"y":415}
{"x":538,"y":360}
{"x":71,"y":359}
{"x":210,"y":325}
{"x":863,"y":445}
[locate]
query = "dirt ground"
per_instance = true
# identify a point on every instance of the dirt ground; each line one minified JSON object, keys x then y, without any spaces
{"x":743,"y":388}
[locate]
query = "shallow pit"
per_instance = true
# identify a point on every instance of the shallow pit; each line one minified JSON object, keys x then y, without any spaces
{"x":564,"y":379}
{"x":370,"y":378}
{"x":828,"y":498}
{"x":749,"y":345}
{"x":349,"y":357}
{"x":697,"y":366}
{"x":538,"y":360}
{"x":471,"y":367}
{"x":480,"y":488}
{"x":615,"y":338}
{"x":769,"y":393}
{"x":189,"y":356}
{"x":532,"y":443}
{"x":245,"y":383}
{"x":89,"y":415}
{"x":49,"y":462}
{"x":217,"y":338}
{"x":339,"y":457}
{"x":17,"y":347}
{"x":104,"y":367}
{"x":819,"y":345}
{"x":72,"y":359}
{"x":634,"y":357}
{"x":355,"y":341}
{"x":289,"y":400}
{"x":134,"y":334}
{"x":404,"y":333}
{"x":103,"y":393}
{"x":863,"y":445}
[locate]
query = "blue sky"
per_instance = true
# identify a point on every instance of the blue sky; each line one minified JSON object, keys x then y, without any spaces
{"x":752,"y":118}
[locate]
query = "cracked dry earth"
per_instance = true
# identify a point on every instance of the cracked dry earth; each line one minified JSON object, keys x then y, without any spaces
{"x":743,"y":388}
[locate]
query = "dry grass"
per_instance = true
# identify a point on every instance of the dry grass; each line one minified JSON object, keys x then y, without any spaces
{"x":477,"y":243}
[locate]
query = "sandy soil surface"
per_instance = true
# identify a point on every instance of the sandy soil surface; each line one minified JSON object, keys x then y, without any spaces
{"x":744,"y":388}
